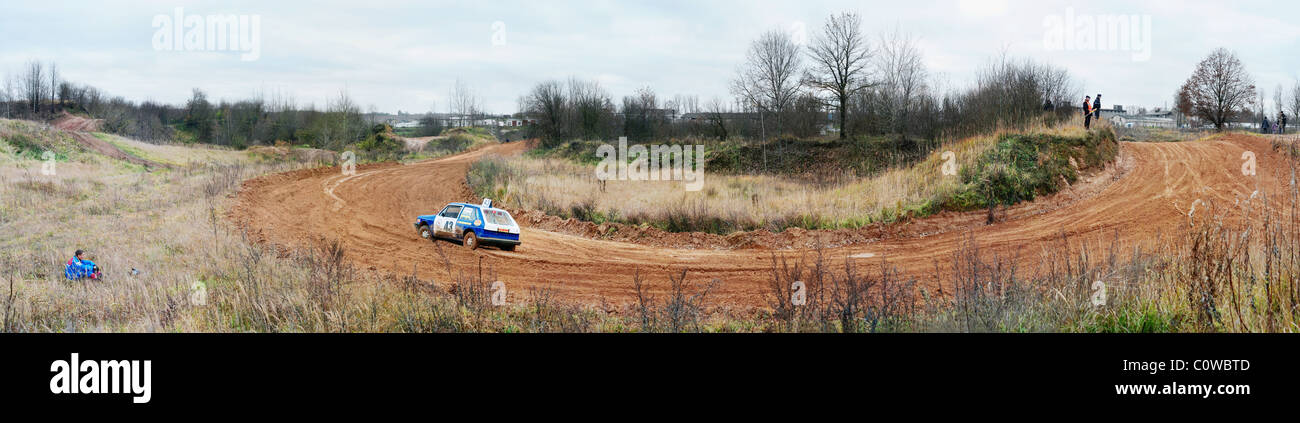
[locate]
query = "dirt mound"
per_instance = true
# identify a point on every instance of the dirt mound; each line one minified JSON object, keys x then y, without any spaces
{"x":69,"y":122}
{"x":1148,"y":192}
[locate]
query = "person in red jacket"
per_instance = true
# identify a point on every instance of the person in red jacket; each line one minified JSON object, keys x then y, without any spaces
{"x":1087,"y":112}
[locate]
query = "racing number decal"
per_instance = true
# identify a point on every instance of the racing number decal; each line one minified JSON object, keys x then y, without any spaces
{"x":447,"y":227}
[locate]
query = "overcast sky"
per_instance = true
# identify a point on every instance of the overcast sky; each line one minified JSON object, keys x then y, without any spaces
{"x":407,"y":55}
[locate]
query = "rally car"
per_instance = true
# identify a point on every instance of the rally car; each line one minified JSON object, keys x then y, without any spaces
{"x":472,"y":224}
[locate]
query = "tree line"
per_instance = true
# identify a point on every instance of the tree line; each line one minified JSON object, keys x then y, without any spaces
{"x":843,"y":81}
{"x":39,"y":93}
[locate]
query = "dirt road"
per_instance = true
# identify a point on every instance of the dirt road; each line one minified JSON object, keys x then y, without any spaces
{"x":1149,"y":194}
{"x":80,"y":128}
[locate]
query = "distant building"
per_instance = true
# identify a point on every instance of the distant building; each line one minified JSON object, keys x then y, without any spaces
{"x":514,"y":122}
{"x":1158,"y":119}
{"x":724,"y":115}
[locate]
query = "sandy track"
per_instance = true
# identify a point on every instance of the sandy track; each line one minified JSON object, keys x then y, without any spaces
{"x":371,"y":213}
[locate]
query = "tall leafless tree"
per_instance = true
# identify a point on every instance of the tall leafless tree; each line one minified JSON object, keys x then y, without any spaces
{"x":464,"y":103}
{"x":589,"y":108}
{"x":903,"y":76}
{"x":547,"y":104}
{"x":7,"y":97}
{"x":53,"y":89}
{"x":840,"y":56}
{"x":1294,"y":106}
{"x":1219,"y":89}
{"x":769,"y":78}
{"x":1278,"y":105}
{"x":33,"y":83}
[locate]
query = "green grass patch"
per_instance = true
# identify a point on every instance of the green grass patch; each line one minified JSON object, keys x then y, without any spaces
{"x":1023,"y":167}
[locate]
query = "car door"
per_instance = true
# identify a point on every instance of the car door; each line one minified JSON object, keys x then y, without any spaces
{"x":445,"y":223}
{"x":468,"y":218}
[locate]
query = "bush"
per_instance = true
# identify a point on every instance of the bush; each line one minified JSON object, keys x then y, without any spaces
{"x":1023,"y":167}
{"x":382,"y":144}
{"x":449,"y":144}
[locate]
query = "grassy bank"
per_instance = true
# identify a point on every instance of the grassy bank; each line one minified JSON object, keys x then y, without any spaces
{"x":1003,"y":168}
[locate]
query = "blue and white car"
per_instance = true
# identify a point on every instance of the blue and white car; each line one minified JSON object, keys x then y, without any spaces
{"x":472,"y":224}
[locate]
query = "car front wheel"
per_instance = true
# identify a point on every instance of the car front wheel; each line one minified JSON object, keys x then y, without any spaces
{"x":425,"y":232}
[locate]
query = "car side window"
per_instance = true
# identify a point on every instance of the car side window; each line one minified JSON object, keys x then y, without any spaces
{"x":451,"y":211}
{"x":468,"y":214}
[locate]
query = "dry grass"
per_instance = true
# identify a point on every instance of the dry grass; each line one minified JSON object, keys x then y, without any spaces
{"x":178,"y":155}
{"x":169,"y":225}
{"x":734,"y":202}
{"x":1221,"y":274}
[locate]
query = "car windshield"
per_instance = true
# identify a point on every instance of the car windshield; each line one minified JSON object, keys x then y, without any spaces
{"x":451,"y":211}
{"x":498,"y":217}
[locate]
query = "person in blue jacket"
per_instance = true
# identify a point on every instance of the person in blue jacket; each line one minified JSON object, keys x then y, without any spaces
{"x":79,"y":267}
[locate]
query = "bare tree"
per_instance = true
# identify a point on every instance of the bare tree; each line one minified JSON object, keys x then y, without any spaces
{"x":7,"y":96}
{"x":590,"y":109}
{"x":716,"y":109}
{"x":548,"y":104}
{"x":1295,"y":103}
{"x":840,"y":56}
{"x":34,"y":87}
{"x":1220,"y":88}
{"x":768,"y":80}
{"x":903,"y":78}
{"x":53,"y":88}
{"x":1277,"y":101}
{"x":464,"y":103}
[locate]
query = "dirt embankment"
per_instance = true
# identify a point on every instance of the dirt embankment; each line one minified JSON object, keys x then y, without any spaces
{"x":80,"y":128}
{"x":1146,"y":195}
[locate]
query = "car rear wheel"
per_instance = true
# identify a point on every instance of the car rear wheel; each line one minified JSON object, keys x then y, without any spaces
{"x":425,"y":232}
{"x":471,"y":241}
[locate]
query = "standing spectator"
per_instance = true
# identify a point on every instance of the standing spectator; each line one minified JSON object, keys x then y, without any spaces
{"x":1096,"y":107}
{"x":1263,"y":127}
{"x":1087,"y":112}
{"x":1283,"y":121}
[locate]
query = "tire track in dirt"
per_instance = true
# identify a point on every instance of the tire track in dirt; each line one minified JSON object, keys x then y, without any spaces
{"x":79,"y":128}
{"x":371,"y":213}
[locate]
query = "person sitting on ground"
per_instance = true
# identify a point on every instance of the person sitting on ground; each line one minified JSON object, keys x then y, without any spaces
{"x":78,"y":267}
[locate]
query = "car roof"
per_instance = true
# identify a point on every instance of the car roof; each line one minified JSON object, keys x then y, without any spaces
{"x":477,"y":206}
